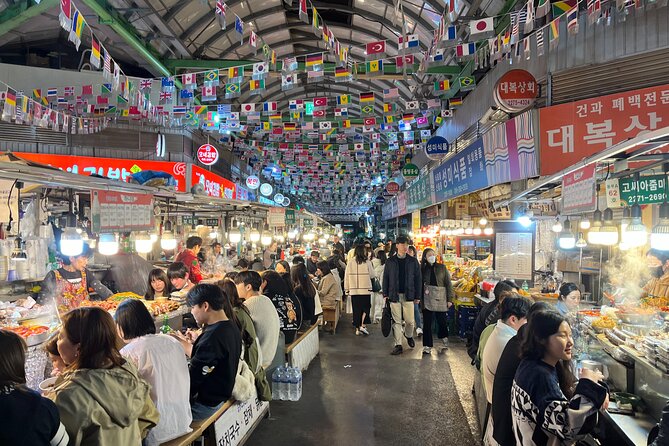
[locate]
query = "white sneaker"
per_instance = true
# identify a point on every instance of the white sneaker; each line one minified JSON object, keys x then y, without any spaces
{"x":444,"y":343}
{"x":419,"y":331}
{"x":357,"y":332}
{"x":427,"y":350}
{"x":364,"y":331}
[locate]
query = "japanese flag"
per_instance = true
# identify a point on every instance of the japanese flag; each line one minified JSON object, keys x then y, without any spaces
{"x":248,"y":108}
{"x":481,"y":26}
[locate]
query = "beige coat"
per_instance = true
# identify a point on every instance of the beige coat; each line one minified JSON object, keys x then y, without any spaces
{"x":329,"y":291}
{"x":358,"y":278}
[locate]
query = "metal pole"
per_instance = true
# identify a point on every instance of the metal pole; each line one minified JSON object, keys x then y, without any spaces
{"x":600,"y":275}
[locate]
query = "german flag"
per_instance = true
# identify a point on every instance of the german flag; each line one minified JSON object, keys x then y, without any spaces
{"x":290,"y":127}
{"x":341,"y":72}
{"x":454,"y":102}
{"x":314,"y":59}
{"x":367,"y":97}
{"x":10,"y":97}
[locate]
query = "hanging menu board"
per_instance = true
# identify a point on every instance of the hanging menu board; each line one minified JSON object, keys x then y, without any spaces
{"x":514,"y":256}
{"x":121,"y":212}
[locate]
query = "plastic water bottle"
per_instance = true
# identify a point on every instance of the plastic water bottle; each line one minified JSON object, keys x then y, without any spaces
{"x":276,"y":382}
{"x":525,"y":286}
{"x":284,"y":384}
{"x":298,"y":374}
{"x":293,"y":374}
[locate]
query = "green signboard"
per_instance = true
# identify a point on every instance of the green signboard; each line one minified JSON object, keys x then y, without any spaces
{"x":309,"y":108}
{"x":307,"y":223}
{"x":290,"y":217}
{"x":410,"y":171}
{"x":419,"y":194}
{"x":649,"y":189}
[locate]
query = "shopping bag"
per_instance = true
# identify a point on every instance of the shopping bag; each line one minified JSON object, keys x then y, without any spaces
{"x":386,"y":320}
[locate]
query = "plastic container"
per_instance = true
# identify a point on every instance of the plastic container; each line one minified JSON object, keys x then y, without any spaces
{"x":276,"y":382}
{"x":283,"y":384}
{"x":292,"y":387}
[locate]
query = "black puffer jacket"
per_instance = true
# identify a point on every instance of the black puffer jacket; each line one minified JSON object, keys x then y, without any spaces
{"x":391,"y":280}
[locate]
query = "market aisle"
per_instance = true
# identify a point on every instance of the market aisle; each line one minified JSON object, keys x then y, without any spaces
{"x":378,"y":400}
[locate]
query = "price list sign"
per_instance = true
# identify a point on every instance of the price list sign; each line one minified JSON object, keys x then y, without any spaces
{"x":121,"y":212}
{"x":578,"y":191}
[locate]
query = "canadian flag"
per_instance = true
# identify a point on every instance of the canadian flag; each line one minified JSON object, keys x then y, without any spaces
{"x":209,"y":91}
{"x":369,"y":122}
{"x":254,"y":39}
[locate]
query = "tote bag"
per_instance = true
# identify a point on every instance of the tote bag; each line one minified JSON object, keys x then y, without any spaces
{"x":435,"y":298}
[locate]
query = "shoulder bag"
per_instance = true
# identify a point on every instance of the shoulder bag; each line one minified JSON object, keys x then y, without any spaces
{"x":435,"y":298}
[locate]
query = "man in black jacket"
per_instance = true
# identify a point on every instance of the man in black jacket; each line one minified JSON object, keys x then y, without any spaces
{"x":402,"y":285}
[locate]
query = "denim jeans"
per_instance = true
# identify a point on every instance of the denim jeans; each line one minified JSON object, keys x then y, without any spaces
{"x":202,"y":412}
{"x":418,"y":316}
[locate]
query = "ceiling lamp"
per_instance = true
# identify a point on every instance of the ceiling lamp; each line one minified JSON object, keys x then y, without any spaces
{"x":659,"y":238}
{"x":266,"y":237}
{"x":581,"y":243}
{"x":626,"y":220}
{"x":566,"y":239}
{"x":154,"y":237}
{"x":635,"y":234}
{"x":525,"y":218}
{"x":483,"y":221}
{"x":71,"y":243}
{"x":593,"y":233}
{"x":608,"y":233}
{"x":254,"y":235}
{"x":585,"y":224}
{"x":234,"y":236}
{"x":469,"y":231}
{"x":557,"y":226}
{"x":488,"y":230}
{"x":107,"y":244}
{"x":280,"y":238}
{"x":168,"y":242}
{"x":477,"y":231}
{"x":143,"y":243}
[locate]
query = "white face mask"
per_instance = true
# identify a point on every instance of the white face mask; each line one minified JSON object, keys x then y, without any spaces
{"x":431,"y":259}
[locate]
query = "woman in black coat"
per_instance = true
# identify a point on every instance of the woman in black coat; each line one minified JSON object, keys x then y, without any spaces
{"x":434,"y":306}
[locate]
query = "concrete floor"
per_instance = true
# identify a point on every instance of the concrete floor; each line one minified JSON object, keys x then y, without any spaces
{"x":355,"y":393}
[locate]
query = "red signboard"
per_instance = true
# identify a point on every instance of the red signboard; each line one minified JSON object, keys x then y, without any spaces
{"x":207,"y":154}
{"x":392,"y":188}
{"x":214,"y":185}
{"x":516,"y":91}
{"x":113,"y":168}
{"x":573,"y":131}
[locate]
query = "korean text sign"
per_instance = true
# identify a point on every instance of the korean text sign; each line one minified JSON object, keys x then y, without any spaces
{"x":570,"y":132}
{"x":461,"y":174}
{"x":649,"y":189}
{"x":419,"y":194}
{"x":112,"y":168}
{"x":214,"y":185}
{"x":578,"y":191}
{"x":121,"y":212}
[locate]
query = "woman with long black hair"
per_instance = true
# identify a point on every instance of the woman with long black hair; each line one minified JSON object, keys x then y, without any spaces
{"x":287,"y":305}
{"x":547,"y":408}
{"x":437,"y":298}
{"x":305,"y":291}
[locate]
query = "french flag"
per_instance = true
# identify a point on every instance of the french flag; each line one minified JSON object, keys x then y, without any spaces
{"x":466,"y":49}
{"x":450,"y":33}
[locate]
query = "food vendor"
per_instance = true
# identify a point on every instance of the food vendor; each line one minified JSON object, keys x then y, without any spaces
{"x":569,"y":298}
{"x":658,"y":265}
{"x":189,"y":258}
{"x":69,"y":285}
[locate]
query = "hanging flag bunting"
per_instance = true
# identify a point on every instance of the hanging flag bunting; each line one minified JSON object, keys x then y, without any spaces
{"x":344,"y":99}
{"x":165,"y":97}
{"x":95,"y":53}
{"x":315,"y":23}
{"x":543,"y":7}
{"x":315,"y":76}
{"x":367,"y":97}
{"x":341,"y":112}
{"x":481,"y":28}
{"x":257,"y":86}
{"x":77,"y":28}
{"x":389,"y":107}
{"x":296,"y":104}
{"x":411,"y":105}
{"x":454,"y":102}
{"x":253,"y":41}
{"x":65,"y":15}
{"x":391,"y":93}
{"x":529,"y":17}
{"x":232,"y":90}
{"x":466,"y":83}
{"x":594,"y":11}
{"x":209,"y":93}
{"x":366,"y":109}
{"x":239,"y":27}
{"x":187,"y":96}
{"x":235,"y":74}
{"x":220,"y":13}
{"x":562,"y":7}
{"x":409,"y":44}
{"x":288,"y":81}
{"x":342,"y":74}
{"x":572,"y":21}
{"x":438,"y":55}
{"x":260,"y":70}
{"x":9,"y":108}
{"x":314,"y":62}
{"x":375,"y":50}
{"x":320,"y":103}
{"x":303,"y":14}
{"x":188,"y":81}
{"x":515,"y":27}
{"x":527,"y":48}
{"x":442,"y":86}
{"x":290,"y":64}
{"x":450,"y":33}
{"x":166,"y":84}
{"x":540,"y":41}
{"x":407,"y":59}
{"x":374,"y":67}
{"x":465,"y":49}
{"x":211,"y":78}
{"x":554,"y":32}
{"x":106,"y":67}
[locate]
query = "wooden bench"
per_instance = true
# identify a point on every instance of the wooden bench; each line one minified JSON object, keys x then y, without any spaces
{"x":234,"y":421}
{"x":332,"y":315}
{"x":303,"y":349}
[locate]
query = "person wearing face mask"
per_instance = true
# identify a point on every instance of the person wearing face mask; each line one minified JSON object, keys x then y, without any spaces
{"x":437,"y":299}
{"x":658,"y":265}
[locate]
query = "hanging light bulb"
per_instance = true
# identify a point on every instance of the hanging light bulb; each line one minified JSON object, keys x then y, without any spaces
{"x":235,"y":236}
{"x":566,"y":240}
{"x":483,"y":221}
{"x":635,"y":234}
{"x":266,"y":237}
{"x":469,"y":231}
{"x":254,"y":235}
{"x":280,"y":238}
{"x":581,"y":243}
{"x":154,"y":237}
{"x":625,"y":221}
{"x":488,"y":230}
{"x":593,"y":233}
{"x":659,"y":238}
{"x":478,"y":231}
{"x":143,"y":243}
{"x":107,"y":244}
{"x":585,"y":224}
{"x":557,"y":226}
{"x":525,"y":218}
{"x":71,"y":243}
{"x":608,"y":233}
{"x":168,"y":242}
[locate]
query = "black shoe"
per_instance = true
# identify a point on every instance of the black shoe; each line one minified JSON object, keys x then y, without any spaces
{"x":411,"y":342}
{"x":397,"y":350}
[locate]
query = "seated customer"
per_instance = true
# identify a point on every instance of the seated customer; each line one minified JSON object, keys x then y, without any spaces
{"x":216,"y":352}
{"x":101,"y":398}
{"x":159,"y":285}
{"x":25,"y":417}
{"x":262,"y":311}
{"x":287,"y":306}
{"x":160,"y":361}
{"x":329,"y":287}
{"x":179,"y":277}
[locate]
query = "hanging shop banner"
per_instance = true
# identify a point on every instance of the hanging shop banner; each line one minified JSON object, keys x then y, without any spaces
{"x":379,"y":199}
{"x":436,"y":147}
{"x":461,"y":174}
{"x":207,"y":154}
{"x":267,"y":201}
{"x":392,"y":188}
{"x":266,"y":189}
{"x":290,"y":217}
{"x":121,"y":212}
{"x":573,"y":131}
{"x":214,"y":185}
{"x":419,"y":194}
{"x":579,"y":191}
{"x":243,"y":194}
{"x":388,"y":210}
{"x":276,"y":217}
{"x":112,"y":168}
{"x":410,"y":171}
{"x":510,"y":153}
{"x":253,"y":182}
{"x":516,"y":91}
{"x":648,"y":190}
{"x":402,"y":203}
{"x":307,"y":222}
